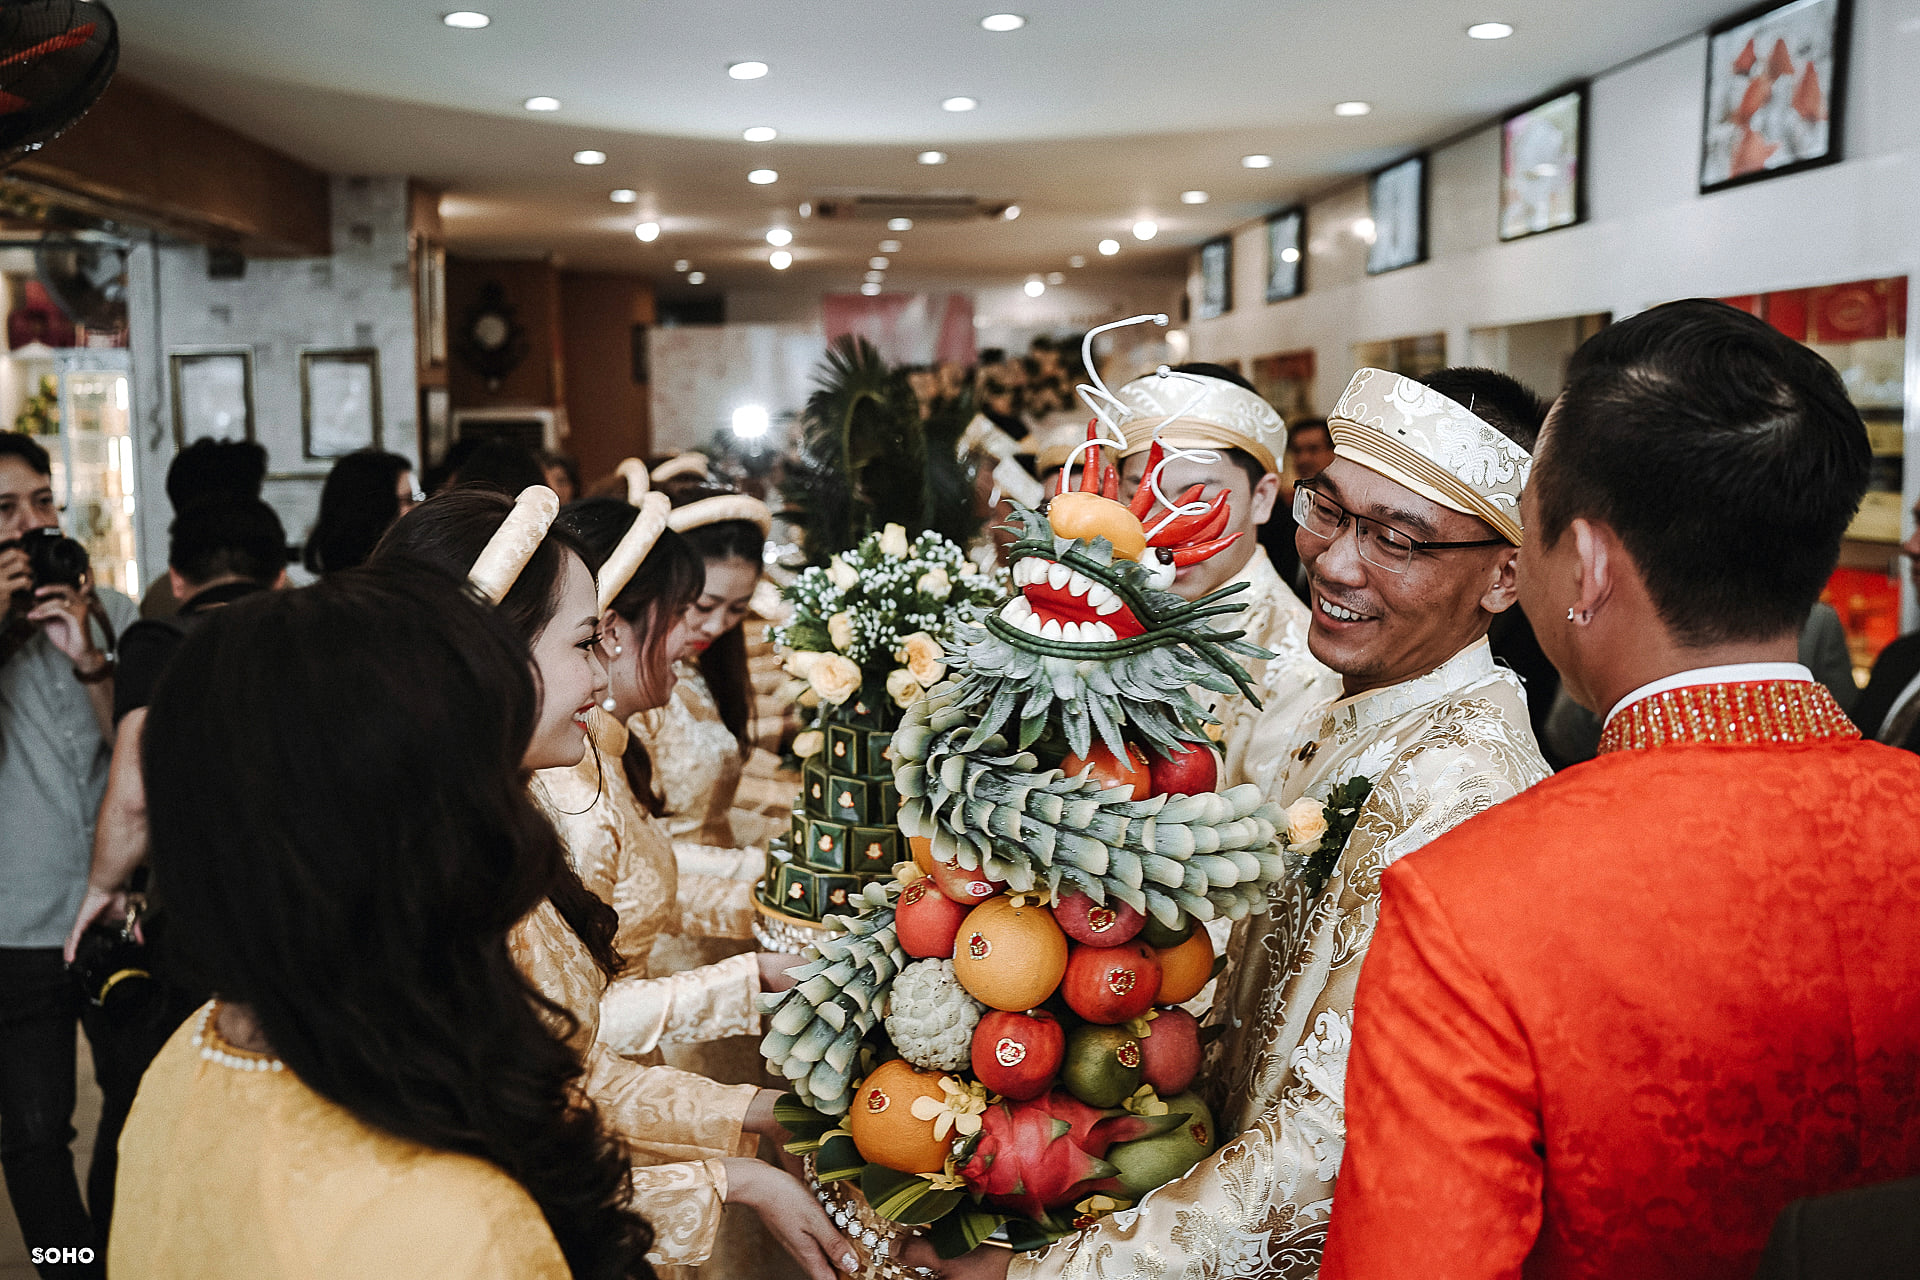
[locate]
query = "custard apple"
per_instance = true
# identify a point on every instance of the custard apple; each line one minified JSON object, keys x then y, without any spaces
{"x":930,"y":1016}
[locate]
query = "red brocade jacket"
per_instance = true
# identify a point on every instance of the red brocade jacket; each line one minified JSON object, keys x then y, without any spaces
{"x":1613,"y":1026}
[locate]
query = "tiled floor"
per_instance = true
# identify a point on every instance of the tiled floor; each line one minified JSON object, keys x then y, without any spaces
{"x":86,"y":1117}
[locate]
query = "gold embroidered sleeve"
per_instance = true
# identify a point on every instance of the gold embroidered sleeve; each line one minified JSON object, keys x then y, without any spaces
{"x":667,"y":1115}
{"x":716,"y":890}
{"x":683,"y":1203}
{"x":639,"y":1015}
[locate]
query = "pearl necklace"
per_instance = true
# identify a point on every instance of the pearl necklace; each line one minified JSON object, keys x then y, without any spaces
{"x":204,"y":1035}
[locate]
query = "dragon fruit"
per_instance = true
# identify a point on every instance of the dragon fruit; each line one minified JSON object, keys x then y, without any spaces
{"x":1036,"y":1156}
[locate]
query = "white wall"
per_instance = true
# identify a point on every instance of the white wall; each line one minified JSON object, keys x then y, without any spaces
{"x":359,"y":297}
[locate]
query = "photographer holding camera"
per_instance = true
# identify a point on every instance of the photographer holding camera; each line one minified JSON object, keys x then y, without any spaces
{"x":56,"y":723}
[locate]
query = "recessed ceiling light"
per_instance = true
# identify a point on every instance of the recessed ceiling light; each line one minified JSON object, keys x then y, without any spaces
{"x":1256,"y":162}
{"x":889,"y":246}
{"x":932,"y":157}
{"x":647,"y":232}
{"x":1289,"y":254}
{"x":589,"y":157}
{"x":681,"y":264}
{"x":961,"y":103}
{"x":870,"y":289}
{"x":696,"y":277}
{"x":763,"y":177}
{"x":899,"y":224}
{"x":465,"y":19}
{"x":879,"y":264}
{"x":1036,"y":287}
{"x":779,"y":237}
{"x":1489,"y":31}
{"x":806,"y":208}
{"x":1193,"y":197}
{"x":1109,"y":247}
{"x":746,"y":70}
{"x":1145,"y":229}
{"x":1056,"y":277}
{"x":874,"y":277}
{"x":623,"y":195}
{"x":1011,"y":212}
{"x":541,"y":103}
{"x":760,"y":133}
{"x":1077,"y":260}
{"x":779,"y":259}
{"x":1003,"y":22}
{"x":1352,"y":108}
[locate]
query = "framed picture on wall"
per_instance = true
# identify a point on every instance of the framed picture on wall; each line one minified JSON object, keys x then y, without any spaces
{"x":1397,"y":204}
{"x":339,"y":402}
{"x":212,"y":394}
{"x":1216,"y":278}
{"x":1543,"y":165}
{"x":1776,"y":85}
{"x":1287,"y":254}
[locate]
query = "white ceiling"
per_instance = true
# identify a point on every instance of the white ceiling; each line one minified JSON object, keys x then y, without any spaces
{"x":1098,"y":112}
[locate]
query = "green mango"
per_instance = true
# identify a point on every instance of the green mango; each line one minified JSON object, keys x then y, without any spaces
{"x":1147,"y":1163}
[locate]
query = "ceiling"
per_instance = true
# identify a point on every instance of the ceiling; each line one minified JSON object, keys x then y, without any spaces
{"x":1090,"y":117}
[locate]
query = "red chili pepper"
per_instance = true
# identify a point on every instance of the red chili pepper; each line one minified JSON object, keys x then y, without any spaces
{"x":1143,"y":496}
{"x":1110,"y":482}
{"x":1187,"y":528}
{"x":1215,"y":523}
{"x":1194,"y":555}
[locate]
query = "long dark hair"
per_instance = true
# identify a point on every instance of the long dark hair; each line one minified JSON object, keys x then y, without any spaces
{"x":358,"y":503}
{"x":666,"y":582}
{"x":449,"y":532}
{"x":336,"y":813}
{"x":724,"y":662}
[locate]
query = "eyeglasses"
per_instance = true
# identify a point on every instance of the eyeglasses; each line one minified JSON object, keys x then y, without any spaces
{"x":1381,"y":545}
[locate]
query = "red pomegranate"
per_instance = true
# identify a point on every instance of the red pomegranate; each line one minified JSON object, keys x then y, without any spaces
{"x":968,"y":887}
{"x":927,"y":921}
{"x":1017,"y":1055}
{"x":1170,"y":1052}
{"x":1084,"y":920}
{"x":1109,"y":985}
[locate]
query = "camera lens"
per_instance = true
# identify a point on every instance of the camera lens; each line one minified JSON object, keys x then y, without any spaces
{"x":54,"y":559}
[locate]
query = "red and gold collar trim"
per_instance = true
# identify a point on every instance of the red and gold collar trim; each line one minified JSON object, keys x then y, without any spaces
{"x":1749,"y":713}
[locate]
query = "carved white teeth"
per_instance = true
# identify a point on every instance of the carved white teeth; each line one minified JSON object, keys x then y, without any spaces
{"x":1071,"y":633}
{"x":1097,"y":633}
{"x":1111,"y":605}
{"x":1081,"y":585}
{"x":1057,"y":575}
{"x":1029,"y":623}
{"x":1016,"y":609}
{"x":1051,"y":631}
{"x":1097,"y":594}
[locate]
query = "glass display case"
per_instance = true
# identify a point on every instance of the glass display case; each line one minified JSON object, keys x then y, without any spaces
{"x":91,"y":444}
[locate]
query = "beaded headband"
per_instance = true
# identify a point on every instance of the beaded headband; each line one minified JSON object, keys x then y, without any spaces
{"x":721,"y":507}
{"x":640,"y":536}
{"x":514,"y":542}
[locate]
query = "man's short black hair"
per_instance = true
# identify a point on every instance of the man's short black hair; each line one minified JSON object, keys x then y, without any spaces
{"x":18,"y":444}
{"x":1726,"y":456}
{"x":1501,"y":401}
{"x":226,"y":536}
{"x":1207,"y":369}
{"x":210,"y":468}
{"x":1299,"y":425}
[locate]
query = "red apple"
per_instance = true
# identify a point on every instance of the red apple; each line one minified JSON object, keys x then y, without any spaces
{"x":1111,"y":771}
{"x":1189,"y":773}
{"x":1170,"y":1052}
{"x":1109,"y":985}
{"x":970,"y":888}
{"x":1017,"y":1055}
{"x":927,"y":921}
{"x":1086,"y":921}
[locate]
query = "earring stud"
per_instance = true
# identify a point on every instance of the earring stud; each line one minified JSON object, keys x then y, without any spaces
{"x":607,"y":706}
{"x":618,"y":650}
{"x":1579,"y":617}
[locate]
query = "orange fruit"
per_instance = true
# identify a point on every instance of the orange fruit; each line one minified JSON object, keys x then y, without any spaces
{"x":1184,"y":969}
{"x":1009,"y":957}
{"x":883,"y":1125}
{"x":922,"y":852}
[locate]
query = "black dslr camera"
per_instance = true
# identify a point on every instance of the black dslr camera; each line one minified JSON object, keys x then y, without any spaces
{"x":110,"y":965}
{"x":54,"y":559}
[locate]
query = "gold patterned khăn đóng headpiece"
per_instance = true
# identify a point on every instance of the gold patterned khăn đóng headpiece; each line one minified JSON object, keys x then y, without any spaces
{"x":1205,"y":413}
{"x":499,"y":564}
{"x":1416,"y":437}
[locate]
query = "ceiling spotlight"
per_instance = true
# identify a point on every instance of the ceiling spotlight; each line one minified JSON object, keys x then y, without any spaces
{"x":870,"y":289}
{"x":465,"y":19}
{"x":806,"y":208}
{"x":1011,"y":212}
{"x":696,"y":277}
{"x":760,"y":133}
{"x":1035,"y":288}
{"x":1256,"y":162}
{"x":648,"y":232}
{"x":542,"y":103}
{"x":874,"y":277}
{"x":1056,"y":277}
{"x":879,"y":264}
{"x":623,"y":195}
{"x":746,"y":70}
{"x":779,"y":237}
{"x":899,"y":224}
{"x":1289,"y":254}
{"x":1352,"y":108}
{"x":889,"y":246}
{"x":1145,"y":229}
{"x":763,"y":177}
{"x":962,"y":103}
{"x":750,"y":421}
{"x":1489,"y":31}
{"x":932,"y":157}
{"x":589,"y":157}
{"x":1003,"y":22}
{"x":1365,"y":229}
{"x":779,"y":259}
{"x":1193,"y":197}
{"x":681,"y":265}
{"x":1109,"y":247}
{"x":1077,"y":260}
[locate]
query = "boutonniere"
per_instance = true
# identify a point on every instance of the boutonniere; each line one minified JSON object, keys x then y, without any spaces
{"x":1319,"y":829}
